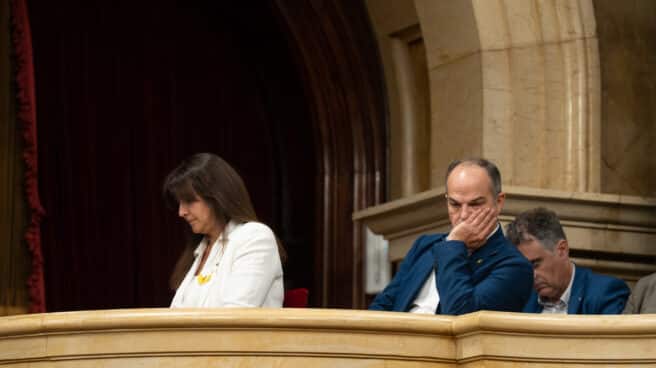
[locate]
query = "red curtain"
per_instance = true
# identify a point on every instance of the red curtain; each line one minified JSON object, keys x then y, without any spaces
{"x":126,"y":90}
{"x":26,"y":115}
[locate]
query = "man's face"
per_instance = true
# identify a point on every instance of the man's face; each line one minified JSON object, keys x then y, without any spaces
{"x":550,"y":268}
{"x":469,"y":189}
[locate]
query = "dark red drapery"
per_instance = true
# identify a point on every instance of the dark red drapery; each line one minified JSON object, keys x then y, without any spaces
{"x":126,"y":90}
{"x":26,"y":114}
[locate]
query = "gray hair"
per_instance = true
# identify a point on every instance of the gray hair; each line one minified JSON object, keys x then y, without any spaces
{"x":540,"y":223}
{"x":490,"y":168}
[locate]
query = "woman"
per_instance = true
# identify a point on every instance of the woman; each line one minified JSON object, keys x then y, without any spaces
{"x":232,"y":260}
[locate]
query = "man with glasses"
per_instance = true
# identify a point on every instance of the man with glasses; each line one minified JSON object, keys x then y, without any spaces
{"x":471,"y":268}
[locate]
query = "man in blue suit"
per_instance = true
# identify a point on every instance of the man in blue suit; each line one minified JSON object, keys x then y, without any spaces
{"x":471,"y":268}
{"x":559,"y":285}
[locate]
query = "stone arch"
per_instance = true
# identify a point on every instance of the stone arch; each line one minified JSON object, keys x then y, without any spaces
{"x":517,"y":82}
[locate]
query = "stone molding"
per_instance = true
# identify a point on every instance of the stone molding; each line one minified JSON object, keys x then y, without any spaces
{"x":606,"y":229}
{"x":320,"y":337}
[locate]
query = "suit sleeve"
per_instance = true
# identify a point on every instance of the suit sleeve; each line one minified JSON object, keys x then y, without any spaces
{"x":506,"y":288}
{"x":631,"y":307}
{"x":613,"y":297}
{"x":255,"y":266}
{"x":385,"y":299}
{"x":635,"y":300}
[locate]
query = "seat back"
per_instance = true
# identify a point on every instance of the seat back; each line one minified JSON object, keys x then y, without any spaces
{"x":296,"y":298}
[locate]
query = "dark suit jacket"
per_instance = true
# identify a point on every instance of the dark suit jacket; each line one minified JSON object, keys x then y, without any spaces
{"x":643,"y":297}
{"x":495,"y":277}
{"x":592,"y":293}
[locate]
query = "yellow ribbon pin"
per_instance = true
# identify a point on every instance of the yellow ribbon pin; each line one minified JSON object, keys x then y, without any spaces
{"x":203,"y":279}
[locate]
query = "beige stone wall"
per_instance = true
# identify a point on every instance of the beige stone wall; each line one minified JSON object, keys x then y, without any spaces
{"x":403,"y":54}
{"x":515,"y":82}
{"x":560,"y":94}
{"x":627,"y":48}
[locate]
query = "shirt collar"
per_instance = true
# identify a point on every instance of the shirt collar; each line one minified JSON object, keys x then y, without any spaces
{"x":201,"y":247}
{"x":568,"y":291}
{"x":493,"y":232}
{"x":469,"y":252}
{"x":494,"y":240}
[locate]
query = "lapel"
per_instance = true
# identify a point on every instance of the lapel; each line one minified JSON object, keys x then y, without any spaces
{"x":189,"y":277}
{"x":417,"y":277}
{"x":480,"y":258}
{"x":532,"y":306}
{"x":212,"y":263}
{"x":204,"y":291}
{"x":426,"y":262}
{"x":578,"y":290}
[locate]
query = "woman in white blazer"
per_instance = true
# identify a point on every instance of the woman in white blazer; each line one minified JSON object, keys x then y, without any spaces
{"x":231,"y":260}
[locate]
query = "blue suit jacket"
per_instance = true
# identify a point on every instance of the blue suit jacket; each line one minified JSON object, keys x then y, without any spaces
{"x":592,"y":293}
{"x":495,"y":277}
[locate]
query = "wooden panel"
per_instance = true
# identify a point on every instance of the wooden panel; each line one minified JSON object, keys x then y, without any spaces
{"x":336,"y":53}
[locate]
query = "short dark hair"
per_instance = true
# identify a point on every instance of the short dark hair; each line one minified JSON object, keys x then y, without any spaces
{"x":540,"y":223}
{"x":490,"y":168}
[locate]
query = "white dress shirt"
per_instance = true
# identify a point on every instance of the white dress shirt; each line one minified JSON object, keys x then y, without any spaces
{"x":243,"y":269}
{"x":428,"y":297}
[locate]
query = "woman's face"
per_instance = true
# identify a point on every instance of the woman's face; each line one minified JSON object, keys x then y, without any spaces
{"x":199,"y":216}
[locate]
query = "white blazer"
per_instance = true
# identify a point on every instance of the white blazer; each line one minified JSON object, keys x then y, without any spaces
{"x":243,"y":269}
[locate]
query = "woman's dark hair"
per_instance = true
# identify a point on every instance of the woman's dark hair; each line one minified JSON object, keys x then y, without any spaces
{"x":209,"y":177}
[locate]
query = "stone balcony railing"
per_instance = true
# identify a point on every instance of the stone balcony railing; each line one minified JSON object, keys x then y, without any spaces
{"x":322,"y":338}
